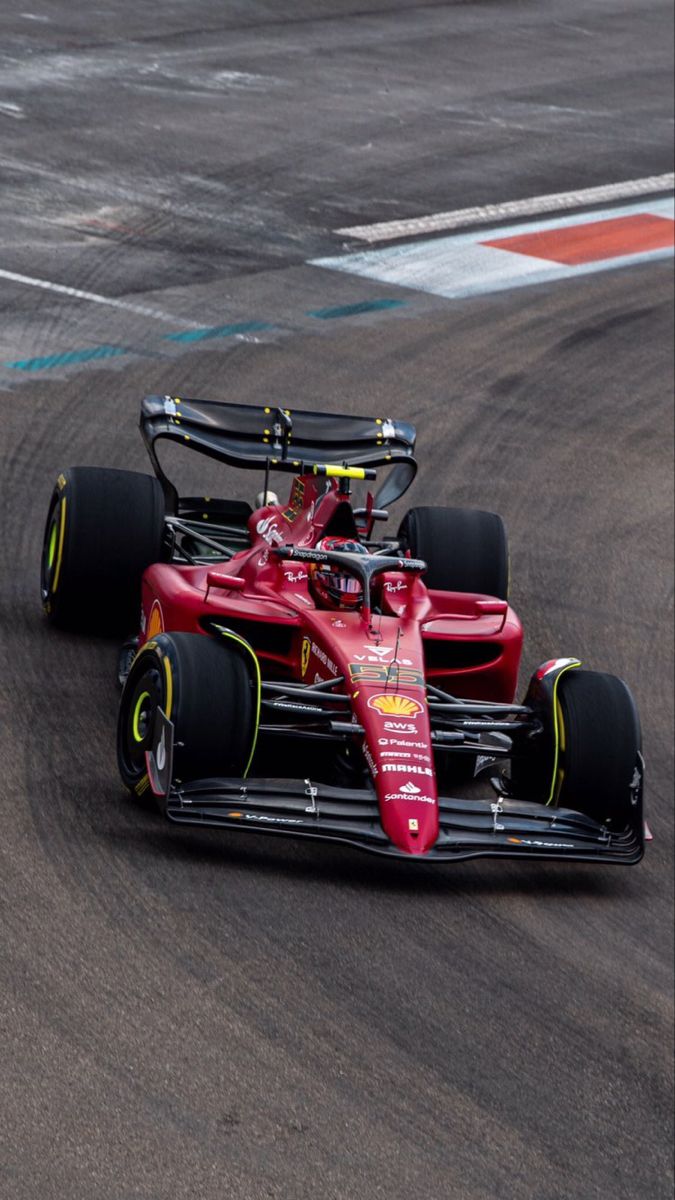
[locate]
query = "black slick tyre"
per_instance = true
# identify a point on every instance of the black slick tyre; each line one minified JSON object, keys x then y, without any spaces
{"x":599,"y":744}
{"x":104,"y":527}
{"x":465,"y":549}
{"x":208,"y":690}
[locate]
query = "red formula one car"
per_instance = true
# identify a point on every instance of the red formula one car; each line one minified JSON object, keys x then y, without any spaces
{"x":295,"y":673}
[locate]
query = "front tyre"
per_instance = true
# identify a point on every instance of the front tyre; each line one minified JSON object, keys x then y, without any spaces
{"x":599,"y":744}
{"x":104,"y":527}
{"x":588,"y":756}
{"x":208,"y":689}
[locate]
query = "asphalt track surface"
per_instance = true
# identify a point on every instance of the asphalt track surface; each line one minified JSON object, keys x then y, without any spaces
{"x":194,"y":1015}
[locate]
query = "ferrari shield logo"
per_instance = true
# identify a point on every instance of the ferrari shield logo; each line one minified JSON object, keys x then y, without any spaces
{"x":304,"y":656}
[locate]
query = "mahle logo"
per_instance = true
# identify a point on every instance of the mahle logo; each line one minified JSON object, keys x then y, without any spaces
{"x":404,"y":768}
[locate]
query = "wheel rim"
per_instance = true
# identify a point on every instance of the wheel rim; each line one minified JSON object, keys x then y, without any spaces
{"x":140,"y":719}
{"x":52,"y":551}
{"x":146,"y":695}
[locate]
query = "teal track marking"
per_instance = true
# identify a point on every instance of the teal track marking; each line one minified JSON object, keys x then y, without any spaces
{"x":353,"y":310}
{"x":72,"y":357}
{"x":216,"y":331}
{"x":64,"y":360}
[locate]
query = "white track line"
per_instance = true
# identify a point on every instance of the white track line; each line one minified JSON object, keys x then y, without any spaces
{"x":387,"y":230}
{"x":95,"y":298}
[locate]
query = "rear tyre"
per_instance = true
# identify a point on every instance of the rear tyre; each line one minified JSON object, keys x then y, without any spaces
{"x":465,"y":549}
{"x":207,"y":690}
{"x":600,"y":741}
{"x":104,"y":527}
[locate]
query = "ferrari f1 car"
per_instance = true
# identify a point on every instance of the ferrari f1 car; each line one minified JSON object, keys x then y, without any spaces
{"x":296,"y":673}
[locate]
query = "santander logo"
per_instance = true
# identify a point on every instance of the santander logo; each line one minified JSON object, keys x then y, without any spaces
{"x":411,"y":789}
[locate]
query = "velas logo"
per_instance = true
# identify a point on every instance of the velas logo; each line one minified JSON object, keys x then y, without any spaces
{"x":394,"y":705}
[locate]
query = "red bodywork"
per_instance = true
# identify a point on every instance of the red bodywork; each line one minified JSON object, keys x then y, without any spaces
{"x":467,"y":644}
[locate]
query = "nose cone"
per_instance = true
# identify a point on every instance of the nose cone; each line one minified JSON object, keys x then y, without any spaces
{"x":398,"y":751}
{"x":388,"y":690}
{"x":409,"y":810}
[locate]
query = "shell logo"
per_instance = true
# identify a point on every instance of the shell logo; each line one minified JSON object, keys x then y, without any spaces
{"x":395,"y":705}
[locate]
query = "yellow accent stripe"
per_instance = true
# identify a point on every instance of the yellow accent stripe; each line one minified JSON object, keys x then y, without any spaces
{"x":142,"y":785}
{"x":557,"y":724}
{"x":62,"y":534}
{"x":339,"y":472}
{"x":560,"y":776}
{"x":235,"y":638}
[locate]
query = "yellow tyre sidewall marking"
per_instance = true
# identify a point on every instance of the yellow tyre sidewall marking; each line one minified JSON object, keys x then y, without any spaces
{"x":168,"y":675}
{"x":249,"y":650}
{"x":560,"y":738}
{"x":62,"y":534}
{"x":53,"y":538}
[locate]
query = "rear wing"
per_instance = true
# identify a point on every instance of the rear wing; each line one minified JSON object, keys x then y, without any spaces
{"x":267,"y":438}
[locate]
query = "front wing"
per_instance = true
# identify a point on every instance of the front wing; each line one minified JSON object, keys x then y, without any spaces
{"x":506,"y":828}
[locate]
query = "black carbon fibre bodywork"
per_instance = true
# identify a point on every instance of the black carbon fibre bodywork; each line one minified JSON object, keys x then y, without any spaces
{"x":505,"y":828}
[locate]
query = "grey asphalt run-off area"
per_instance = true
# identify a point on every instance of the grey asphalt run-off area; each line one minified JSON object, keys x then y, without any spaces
{"x":201,"y":1015}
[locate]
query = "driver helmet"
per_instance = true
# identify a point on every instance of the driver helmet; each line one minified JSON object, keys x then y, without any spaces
{"x":333,"y":587}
